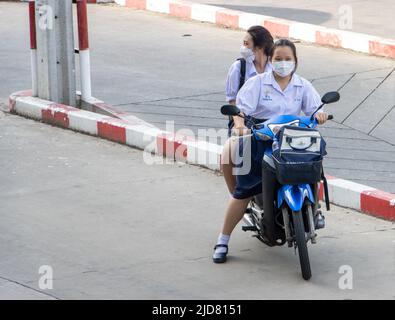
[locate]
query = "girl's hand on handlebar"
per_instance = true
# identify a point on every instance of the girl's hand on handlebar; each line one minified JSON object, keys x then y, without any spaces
{"x":240,"y":130}
{"x":321,"y":117}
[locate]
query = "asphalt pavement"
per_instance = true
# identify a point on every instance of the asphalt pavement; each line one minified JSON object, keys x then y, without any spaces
{"x":363,"y":16}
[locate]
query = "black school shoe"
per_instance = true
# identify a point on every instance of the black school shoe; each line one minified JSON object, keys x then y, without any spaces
{"x":220,"y":257}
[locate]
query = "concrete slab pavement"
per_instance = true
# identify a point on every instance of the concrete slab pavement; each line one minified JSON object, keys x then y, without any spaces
{"x":113,"y":227}
{"x":10,"y":290}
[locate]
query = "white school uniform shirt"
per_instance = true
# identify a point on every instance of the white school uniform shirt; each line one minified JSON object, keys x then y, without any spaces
{"x":233,"y":78}
{"x":261,"y":97}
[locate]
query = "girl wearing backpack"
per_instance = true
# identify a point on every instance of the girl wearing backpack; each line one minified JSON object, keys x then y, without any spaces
{"x":257,"y":44}
{"x":270,"y":94}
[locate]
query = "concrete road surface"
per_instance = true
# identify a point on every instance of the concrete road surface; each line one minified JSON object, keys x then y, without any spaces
{"x":111,"y":227}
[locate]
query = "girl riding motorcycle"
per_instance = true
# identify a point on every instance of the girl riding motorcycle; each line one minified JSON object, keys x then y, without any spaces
{"x":257,"y":45}
{"x":266,"y":95}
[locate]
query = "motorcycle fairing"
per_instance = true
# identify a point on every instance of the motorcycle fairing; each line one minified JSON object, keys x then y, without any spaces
{"x":268,"y":126}
{"x":294,"y":195}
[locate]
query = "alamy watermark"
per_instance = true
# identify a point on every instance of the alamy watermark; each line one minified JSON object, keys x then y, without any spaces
{"x":46,"y":17}
{"x":346,"y":281}
{"x":345,"y":15}
{"x":45,"y":281}
{"x":201,"y":148}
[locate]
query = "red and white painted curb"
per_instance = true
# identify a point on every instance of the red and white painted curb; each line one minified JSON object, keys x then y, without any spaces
{"x":125,"y":130}
{"x":360,"y":197}
{"x":278,"y":27}
{"x":134,"y":132}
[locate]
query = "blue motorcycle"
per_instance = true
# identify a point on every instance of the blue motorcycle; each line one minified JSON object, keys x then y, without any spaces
{"x":287,"y":211}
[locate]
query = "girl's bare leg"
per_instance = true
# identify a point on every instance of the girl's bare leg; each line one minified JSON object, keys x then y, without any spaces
{"x":234,"y":213}
{"x":227,"y":167}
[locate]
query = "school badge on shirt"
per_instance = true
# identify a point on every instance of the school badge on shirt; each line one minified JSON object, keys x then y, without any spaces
{"x":266,"y":95}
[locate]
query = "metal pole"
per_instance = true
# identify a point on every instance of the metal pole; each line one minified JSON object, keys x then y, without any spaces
{"x":55,"y":51}
{"x":65,"y":47}
{"x":33,"y":46}
{"x":46,"y":55}
{"x":86,"y":90}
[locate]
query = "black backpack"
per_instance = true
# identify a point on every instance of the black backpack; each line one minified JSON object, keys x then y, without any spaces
{"x":242,"y":72}
{"x":241,"y":83}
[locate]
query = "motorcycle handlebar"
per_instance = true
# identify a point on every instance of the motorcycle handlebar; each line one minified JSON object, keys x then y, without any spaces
{"x":330,"y":117}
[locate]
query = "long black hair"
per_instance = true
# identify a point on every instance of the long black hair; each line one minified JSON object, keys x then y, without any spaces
{"x":261,"y":38}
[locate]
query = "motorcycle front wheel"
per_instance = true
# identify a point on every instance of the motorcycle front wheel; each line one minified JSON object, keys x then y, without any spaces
{"x":301,"y":243}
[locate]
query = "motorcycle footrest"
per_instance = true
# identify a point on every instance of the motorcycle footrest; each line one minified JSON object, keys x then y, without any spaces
{"x":249,"y":228}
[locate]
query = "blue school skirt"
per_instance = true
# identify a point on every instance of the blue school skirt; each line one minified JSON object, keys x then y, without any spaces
{"x":249,"y":177}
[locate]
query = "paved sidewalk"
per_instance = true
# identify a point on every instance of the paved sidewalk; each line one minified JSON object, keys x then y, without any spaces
{"x":112,"y":227}
{"x":370,"y":17}
{"x":183,"y":80}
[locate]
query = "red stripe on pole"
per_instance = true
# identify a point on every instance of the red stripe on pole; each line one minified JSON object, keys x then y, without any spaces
{"x":82,"y":14}
{"x":378,"y":203}
{"x":111,"y":132}
{"x":32,"y":19}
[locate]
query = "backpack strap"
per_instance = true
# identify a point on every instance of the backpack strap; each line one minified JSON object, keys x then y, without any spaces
{"x":242,"y":72}
{"x":241,"y":83}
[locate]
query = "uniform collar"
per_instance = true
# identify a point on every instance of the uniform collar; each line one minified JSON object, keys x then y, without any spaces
{"x":296,"y":81}
{"x":269,"y":79}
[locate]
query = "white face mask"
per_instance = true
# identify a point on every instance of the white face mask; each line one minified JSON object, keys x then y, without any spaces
{"x":247,"y":54}
{"x":283,"y":68}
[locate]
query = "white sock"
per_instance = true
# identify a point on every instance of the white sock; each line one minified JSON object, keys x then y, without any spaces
{"x":222,"y":239}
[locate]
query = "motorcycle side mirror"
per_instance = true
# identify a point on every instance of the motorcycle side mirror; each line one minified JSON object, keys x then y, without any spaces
{"x":230,"y":110}
{"x":330,"y":97}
